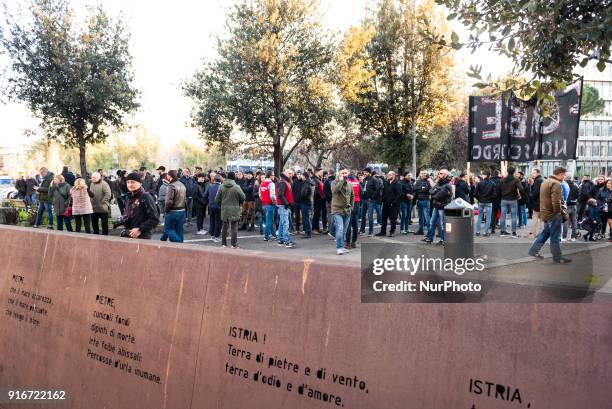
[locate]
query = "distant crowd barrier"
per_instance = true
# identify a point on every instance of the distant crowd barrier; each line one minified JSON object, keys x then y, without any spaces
{"x":116,"y":323}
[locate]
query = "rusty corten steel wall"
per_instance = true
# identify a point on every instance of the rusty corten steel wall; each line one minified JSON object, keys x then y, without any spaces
{"x":212,"y":328}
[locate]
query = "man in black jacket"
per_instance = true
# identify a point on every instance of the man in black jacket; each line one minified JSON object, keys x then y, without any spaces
{"x":462,"y":188}
{"x":248,"y":207}
{"x":372,"y":193}
{"x":296,"y":187}
{"x":572,"y":200}
{"x":141,"y":214}
{"x":392,"y":192}
{"x":441,"y":194}
{"x":68,"y":176}
{"x":405,"y":203}
{"x":485,"y":192}
{"x":509,"y":190}
{"x":306,"y":196}
{"x":584,"y":194}
{"x":421,"y":189}
{"x":200,"y":202}
{"x":319,"y":203}
{"x":536,"y":226}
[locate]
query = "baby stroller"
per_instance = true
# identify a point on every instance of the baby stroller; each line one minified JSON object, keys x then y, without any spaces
{"x":590,"y":224}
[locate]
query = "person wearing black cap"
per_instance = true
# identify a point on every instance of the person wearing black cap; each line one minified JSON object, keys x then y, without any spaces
{"x":141,"y":214}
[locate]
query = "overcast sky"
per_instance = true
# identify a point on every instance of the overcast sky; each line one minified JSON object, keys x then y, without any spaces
{"x":169,"y":42}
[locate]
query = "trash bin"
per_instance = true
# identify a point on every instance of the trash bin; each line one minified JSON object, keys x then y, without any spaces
{"x":459,"y":229}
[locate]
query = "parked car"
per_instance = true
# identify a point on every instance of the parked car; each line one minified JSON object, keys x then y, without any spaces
{"x":7,"y":188}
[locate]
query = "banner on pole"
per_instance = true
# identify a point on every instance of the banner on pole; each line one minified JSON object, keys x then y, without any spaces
{"x":488,"y":128}
{"x":507,"y":128}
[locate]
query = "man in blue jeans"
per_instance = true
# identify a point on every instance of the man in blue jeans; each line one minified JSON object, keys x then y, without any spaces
{"x":421,"y":192}
{"x":174,"y":209}
{"x":485,"y":192}
{"x":45,"y":202}
{"x":551,"y":213}
{"x":343,"y":199}
{"x":441,"y":195}
{"x":284,"y":203}
{"x":509,"y":190}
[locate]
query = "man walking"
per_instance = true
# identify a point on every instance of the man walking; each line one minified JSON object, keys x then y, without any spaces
{"x":230,"y":199}
{"x":551,"y":214}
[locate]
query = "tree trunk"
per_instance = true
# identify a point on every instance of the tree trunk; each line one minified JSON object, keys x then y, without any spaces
{"x":278,"y":159}
{"x":82,"y":160}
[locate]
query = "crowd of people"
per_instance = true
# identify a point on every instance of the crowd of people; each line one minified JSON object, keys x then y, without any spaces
{"x":317,"y":201}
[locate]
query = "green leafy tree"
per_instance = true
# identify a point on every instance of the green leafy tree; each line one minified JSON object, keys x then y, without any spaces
{"x":76,"y":79}
{"x":545,"y":39}
{"x":270,"y":88}
{"x":591,"y":104}
{"x":396,"y":81}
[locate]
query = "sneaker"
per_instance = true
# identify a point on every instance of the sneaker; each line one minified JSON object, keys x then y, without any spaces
{"x":340,"y":251}
{"x":223,"y":246}
{"x":573,"y":239}
{"x":330,"y":235}
{"x":515,"y":236}
{"x":487,"y":234}
{"x":202,"y":232}
{"x":441,"y":243}
{"x":280,"y":244}
{"x":536,"y":255}
{"x":381,"y":234}
{"x":563,"y":240}
{"x":390,"y":235}
{"x":477,"y":234}
{"x":235,"y":247}
{"x":503,"y":233}
{"x":370,"y":235}
{"x":428,"y":241}
{"x":266,"y":239}
{"x":563,"y":260}
{"x":290,"y":245}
